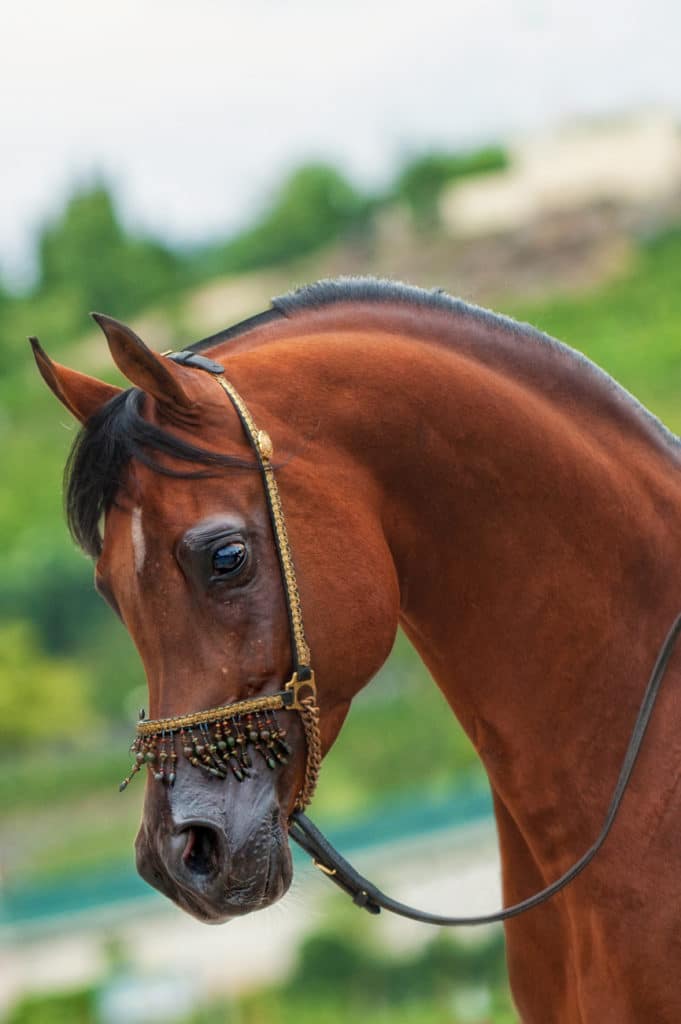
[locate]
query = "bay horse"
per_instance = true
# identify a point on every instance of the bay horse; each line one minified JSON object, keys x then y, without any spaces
{"x":442,"y":468}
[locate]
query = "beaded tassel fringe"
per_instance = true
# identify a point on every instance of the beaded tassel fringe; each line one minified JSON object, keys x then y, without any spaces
{"x":219,"y":747}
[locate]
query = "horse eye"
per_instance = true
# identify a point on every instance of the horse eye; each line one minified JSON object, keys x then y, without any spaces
{"x":230,"y":558}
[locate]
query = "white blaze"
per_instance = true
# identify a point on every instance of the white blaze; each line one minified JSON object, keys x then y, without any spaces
{"x":138,"y":544}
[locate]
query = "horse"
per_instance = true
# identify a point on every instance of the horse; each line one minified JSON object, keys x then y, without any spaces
{"x":442,"y":468}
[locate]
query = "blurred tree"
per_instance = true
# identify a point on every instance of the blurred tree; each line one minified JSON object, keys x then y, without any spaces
{"x":86,"y":257}
{"x":40,"y":697}
{"x":423,"y":179}
{"x":43,"y":582}
{"x":315,"y":205}
{"x":340,"y":960}
{"x":76,"y":1007}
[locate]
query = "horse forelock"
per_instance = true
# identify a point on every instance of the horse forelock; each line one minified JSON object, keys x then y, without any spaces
{"x":96,"y":468}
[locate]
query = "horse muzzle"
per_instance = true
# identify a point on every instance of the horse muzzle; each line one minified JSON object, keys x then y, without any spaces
{"x":217,"y":850}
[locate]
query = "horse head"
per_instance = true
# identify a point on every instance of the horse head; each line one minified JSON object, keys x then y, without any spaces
{"x":187,"y":559}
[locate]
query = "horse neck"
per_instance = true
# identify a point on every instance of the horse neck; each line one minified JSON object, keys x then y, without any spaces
{"x":533,"y":545}
{"x":530,"y":508}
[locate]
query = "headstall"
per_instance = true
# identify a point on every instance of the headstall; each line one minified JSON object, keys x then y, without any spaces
{"x":222,"y":741}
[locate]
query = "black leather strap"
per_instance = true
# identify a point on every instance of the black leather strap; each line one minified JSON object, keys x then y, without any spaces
{"x":188,"y":358}
{"x":367,"y":895}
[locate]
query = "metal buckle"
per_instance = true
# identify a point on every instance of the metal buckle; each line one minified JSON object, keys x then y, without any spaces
{"x":295,"y":685}
{"x":330,"y":872}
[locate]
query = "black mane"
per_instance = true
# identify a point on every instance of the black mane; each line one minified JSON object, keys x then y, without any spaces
{"x":331,"y":291}
{"x":335,"y":291}
{"x":95,"y":469}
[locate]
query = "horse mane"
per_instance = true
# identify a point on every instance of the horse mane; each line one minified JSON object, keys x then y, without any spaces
{"x":346,"y":290}
{"x":333,"y":291}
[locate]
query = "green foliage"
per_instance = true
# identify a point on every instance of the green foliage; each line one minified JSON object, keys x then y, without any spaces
{"x":630,"y":326}
{"x":40,"y":697}
{"x":360,"y":773}
{"x":422,"y":180}
{"x":340,"y":976}
{"x":102,"y":845}
{"x":331,"y":961}
{"x":49,"y":778}
{"x":86,"y":254}
{"x":76,"y":1007}
{"x":87,"y":261}
{"x":314,"y":206}
{"x":46,"y":584}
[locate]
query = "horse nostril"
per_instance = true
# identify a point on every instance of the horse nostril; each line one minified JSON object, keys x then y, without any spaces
{"x":201,"y":852}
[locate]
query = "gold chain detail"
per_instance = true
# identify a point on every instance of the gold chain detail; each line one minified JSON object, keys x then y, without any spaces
{"x":153,"y":726}
{"x":313,"y":739}
{"x":264,"y":447}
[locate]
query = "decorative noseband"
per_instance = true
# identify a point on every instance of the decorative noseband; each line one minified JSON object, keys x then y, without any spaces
{"x":220,"y":740}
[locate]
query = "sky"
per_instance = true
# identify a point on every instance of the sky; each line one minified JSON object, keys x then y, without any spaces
{"x":195,"y":110}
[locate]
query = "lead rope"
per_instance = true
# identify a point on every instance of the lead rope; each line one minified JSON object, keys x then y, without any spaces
{"x":367,"y":895}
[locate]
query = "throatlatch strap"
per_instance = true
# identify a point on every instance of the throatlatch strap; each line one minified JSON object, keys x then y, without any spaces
{"x":367,"y":895}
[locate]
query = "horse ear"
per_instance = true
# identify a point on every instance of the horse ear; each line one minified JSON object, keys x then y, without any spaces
{"x":166,"y":381}
{"x":82,"y":395}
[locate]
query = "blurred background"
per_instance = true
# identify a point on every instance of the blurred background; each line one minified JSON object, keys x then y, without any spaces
{"x":176,"y":166}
